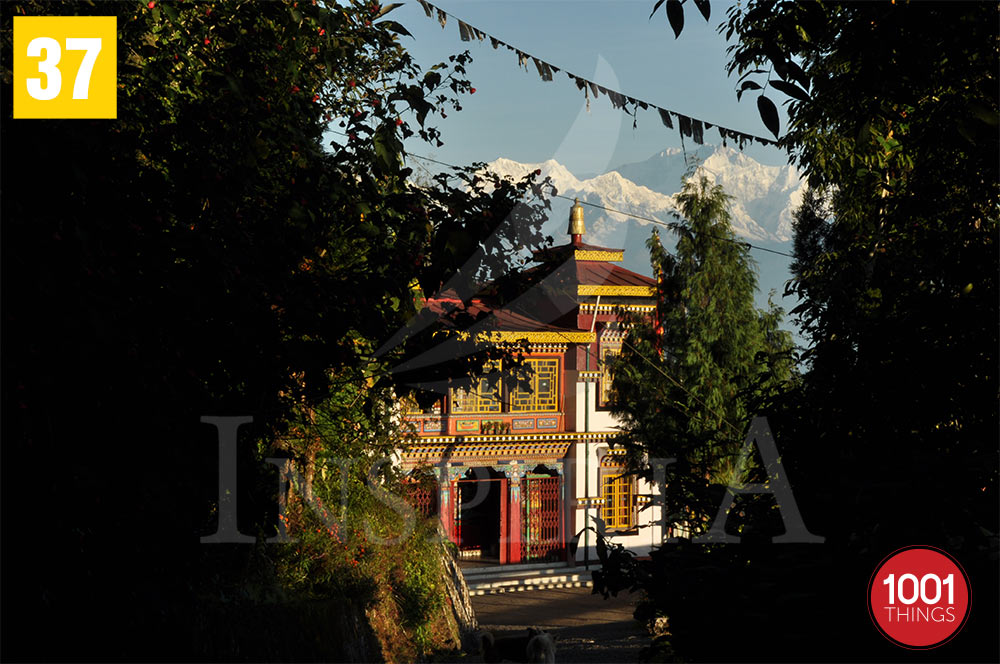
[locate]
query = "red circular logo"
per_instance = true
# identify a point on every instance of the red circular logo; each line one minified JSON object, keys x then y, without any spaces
{"x":918,"y":597}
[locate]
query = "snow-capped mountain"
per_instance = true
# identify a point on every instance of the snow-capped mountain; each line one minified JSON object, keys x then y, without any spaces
{"x":764,"y":199}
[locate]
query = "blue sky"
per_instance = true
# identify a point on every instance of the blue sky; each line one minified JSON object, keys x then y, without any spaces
{"x":515,"y":114}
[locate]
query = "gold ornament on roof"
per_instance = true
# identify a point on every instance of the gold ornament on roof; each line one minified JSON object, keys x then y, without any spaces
{"x":576,"y":226}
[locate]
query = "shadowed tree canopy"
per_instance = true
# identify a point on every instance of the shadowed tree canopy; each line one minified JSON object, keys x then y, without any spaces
{"x":215,"y":250}
{"x":890,"y":436}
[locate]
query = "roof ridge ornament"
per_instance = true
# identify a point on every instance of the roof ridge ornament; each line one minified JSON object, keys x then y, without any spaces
{"x":576,"y":228}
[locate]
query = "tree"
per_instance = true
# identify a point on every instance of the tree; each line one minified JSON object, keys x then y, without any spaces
{"x":893,"y":116}
{"x":212,"y":251}
{"x":687,"y":386}
{"x":895,"y":122}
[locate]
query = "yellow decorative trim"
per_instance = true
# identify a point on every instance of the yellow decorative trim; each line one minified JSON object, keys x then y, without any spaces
{"x":590,"y":255}
{"x":577,"y":436}
{"x":556,"y":449}
{"x":602,"y":289}
{"x":609,"y":308}
{"x":538,"y":337}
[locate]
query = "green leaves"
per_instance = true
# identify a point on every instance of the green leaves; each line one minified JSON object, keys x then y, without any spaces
{"x":388,"y":147}
{"x":675,"y":12}
{"x":675,"y":15}
{"x":768,"y":114}
{"x":747,"y":85}
{"x":658,"y":4}
{"x":705,"y":7}
{"x":388,"y":8}
{"x":789,"y":89}
{"x":393,"y":26}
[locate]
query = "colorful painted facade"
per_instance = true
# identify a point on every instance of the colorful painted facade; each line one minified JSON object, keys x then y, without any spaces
{"x":521,"y":472}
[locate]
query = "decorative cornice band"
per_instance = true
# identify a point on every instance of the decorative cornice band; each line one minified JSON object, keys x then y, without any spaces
{"x":604,"y":289}
{"x":578,"y":436}
{"x":539,"y":337}
{"x":591,"y":255}
{"x":610,"y":308}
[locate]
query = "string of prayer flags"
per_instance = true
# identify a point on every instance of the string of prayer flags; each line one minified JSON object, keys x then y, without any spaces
{"x":687,"y":127}
{"x":544,"y":69}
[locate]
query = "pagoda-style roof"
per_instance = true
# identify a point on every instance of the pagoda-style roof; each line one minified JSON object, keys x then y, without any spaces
{"x":547,"y":311}
{"x":498,"y":323}
{"x":601,"y":278}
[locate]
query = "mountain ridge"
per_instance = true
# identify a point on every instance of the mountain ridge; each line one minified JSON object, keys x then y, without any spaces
{"x":763,"y":197}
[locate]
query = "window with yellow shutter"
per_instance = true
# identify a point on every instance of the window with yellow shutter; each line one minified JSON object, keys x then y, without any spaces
{"x":618,"y":492}
{"x":482,"y":397}
{"x":544,"y":393}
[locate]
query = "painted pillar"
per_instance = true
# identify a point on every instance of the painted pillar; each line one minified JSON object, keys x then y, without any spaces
{"x":514,"y":514}
{"x":504,"y":529}
{"x":448,"y":508}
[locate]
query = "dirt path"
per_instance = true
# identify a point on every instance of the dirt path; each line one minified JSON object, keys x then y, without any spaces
{"x":587,"y":627}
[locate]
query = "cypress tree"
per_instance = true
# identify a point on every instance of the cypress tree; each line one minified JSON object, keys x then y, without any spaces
{"x":687,"y":385}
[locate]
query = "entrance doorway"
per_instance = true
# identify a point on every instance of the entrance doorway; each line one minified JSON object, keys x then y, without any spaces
{"x":478,"y":515}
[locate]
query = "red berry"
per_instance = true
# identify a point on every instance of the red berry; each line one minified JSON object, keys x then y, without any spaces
{"x":351,"y":83}
{"x":315,"y":98}
{"x":207,"y":41}
{"x":151,"y":5}
{"x":399,"y":121}
{"x":472,"y":91}
{"x":322,"y":31}
{"x":295,"y":89}
{"x":538,"y":171}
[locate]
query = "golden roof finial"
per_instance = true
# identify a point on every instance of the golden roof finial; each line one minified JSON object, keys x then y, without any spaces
{"x":576,"y":227}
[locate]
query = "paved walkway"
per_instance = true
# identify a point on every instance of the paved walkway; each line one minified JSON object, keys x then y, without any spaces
{"x":587,"y":627}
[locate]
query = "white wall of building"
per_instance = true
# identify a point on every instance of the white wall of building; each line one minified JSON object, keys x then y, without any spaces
{"x":584,"y":479}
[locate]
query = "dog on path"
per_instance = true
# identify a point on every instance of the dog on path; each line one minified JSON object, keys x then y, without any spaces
{"x":535,"y":646}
